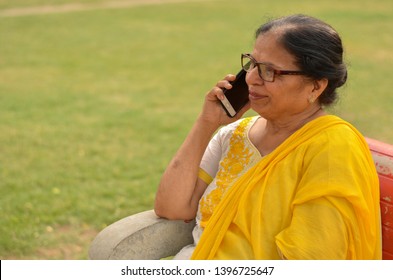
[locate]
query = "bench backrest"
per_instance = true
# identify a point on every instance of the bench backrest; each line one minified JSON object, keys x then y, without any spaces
{"x":383,"y":157}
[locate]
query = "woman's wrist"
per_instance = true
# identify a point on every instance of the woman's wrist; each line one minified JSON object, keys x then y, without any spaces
{"x":207,"y":125}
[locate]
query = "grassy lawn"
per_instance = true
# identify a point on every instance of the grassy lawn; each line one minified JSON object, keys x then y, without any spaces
{"x":93,"y":104}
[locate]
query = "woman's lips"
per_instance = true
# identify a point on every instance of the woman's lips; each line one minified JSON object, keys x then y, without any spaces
{"x":255,"y":96}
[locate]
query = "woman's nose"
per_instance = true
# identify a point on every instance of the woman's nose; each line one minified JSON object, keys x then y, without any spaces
{"x":253,"y":77}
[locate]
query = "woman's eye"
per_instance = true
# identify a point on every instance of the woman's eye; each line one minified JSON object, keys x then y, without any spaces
{"x":269,"y":71}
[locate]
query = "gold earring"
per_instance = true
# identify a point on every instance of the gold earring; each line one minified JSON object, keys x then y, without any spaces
{"x":311,"y":99}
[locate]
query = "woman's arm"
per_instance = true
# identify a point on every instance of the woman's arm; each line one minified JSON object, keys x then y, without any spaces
{"x":180,"y":188}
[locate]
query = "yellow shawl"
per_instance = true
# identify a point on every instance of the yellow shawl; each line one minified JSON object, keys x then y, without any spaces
{"x":316,"y":196}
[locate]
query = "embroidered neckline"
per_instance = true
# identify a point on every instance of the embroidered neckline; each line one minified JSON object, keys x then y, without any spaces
{"x":231,"y":166}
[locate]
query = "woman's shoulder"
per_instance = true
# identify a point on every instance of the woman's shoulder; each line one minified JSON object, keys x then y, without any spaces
{"x":342,"y":135}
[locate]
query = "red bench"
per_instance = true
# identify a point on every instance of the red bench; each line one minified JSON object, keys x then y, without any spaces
{"x":383,"y":157}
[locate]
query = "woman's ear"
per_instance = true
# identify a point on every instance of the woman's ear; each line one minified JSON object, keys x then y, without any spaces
{"x":319,"y":87}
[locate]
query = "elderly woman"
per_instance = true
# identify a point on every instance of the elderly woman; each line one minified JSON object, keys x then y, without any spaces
{"x":292,"y":182}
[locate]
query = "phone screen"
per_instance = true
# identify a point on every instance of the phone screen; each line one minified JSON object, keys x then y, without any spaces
{"x":237,"y":96}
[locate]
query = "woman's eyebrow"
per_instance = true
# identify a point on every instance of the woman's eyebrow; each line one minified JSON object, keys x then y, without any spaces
{"x":267,"y":63}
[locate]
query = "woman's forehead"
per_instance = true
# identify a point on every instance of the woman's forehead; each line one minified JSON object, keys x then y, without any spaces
{"x":269,"y":50}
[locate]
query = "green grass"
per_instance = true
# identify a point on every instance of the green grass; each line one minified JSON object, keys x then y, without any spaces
{"x":93,"y":104}
{"x":11,"y":4}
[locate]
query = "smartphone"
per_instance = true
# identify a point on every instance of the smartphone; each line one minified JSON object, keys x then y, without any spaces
{"x":237,"y":96}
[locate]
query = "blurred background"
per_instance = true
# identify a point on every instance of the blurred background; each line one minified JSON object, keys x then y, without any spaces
{"x":97,"y":95}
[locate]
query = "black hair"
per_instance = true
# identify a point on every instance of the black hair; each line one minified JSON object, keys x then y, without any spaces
{"x":317,"y":49}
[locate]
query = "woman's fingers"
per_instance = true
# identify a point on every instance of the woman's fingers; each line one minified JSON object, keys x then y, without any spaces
{"x":226,"y":82}
{"x":223,"y":84}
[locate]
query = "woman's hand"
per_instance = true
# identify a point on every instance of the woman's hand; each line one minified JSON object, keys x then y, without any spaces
{"x":213,"y":112}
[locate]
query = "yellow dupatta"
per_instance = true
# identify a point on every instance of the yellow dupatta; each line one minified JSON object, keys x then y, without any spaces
{"x":299,"y":202}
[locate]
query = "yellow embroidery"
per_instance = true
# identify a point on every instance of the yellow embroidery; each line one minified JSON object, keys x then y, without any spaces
{"x":231,"y":167}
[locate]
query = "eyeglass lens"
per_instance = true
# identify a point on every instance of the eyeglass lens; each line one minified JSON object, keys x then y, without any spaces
{"x":248,"y":63}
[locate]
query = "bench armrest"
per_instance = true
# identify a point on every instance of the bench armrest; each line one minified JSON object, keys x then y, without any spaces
{"x":143,"y":236}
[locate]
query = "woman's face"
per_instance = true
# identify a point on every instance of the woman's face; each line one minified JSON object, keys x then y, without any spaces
{"x":286,"y":97}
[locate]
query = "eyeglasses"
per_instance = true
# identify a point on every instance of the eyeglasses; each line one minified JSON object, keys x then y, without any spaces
{"x":266,"y":72}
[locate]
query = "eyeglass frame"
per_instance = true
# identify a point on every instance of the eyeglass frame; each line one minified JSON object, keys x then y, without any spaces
{"x":275,"y":71}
